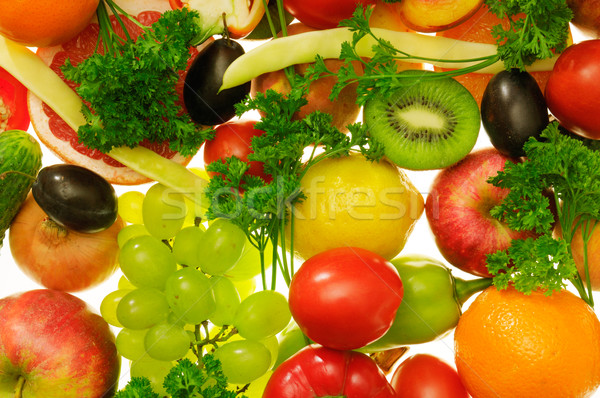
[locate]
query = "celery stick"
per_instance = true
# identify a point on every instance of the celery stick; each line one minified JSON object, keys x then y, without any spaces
{"x":275,"y":54}
{"x":30,"y":70}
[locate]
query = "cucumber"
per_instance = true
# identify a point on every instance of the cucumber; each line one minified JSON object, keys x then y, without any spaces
{"x":20,"y":161}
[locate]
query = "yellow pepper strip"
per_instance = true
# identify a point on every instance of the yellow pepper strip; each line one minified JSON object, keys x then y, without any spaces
{"x":286,"y":51}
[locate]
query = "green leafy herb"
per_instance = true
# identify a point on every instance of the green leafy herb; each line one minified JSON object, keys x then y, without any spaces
{"x":137,"y":387}
{"x":131,"y":90}
{"x":538,"y":30}
{"x":185,"y":380}
{"x":565,"y":167}
{"x":259,"y":207}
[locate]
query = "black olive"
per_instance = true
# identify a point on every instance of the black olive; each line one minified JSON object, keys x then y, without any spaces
{"x":513,"y":109}
{"x":76,"y":198}
{"x":203,"y":101}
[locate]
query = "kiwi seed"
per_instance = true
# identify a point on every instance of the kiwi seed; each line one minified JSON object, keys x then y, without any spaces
{"x":427,"y":124}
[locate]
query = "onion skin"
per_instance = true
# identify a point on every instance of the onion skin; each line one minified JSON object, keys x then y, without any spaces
{"x":58,"y":258}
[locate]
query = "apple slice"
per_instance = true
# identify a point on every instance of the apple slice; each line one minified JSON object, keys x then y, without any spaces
{"x":436,"y":15}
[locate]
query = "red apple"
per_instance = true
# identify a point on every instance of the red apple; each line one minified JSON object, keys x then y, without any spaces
{"x":344,"y":109}
{"x":53,"y":346}
{"x":458,"y":210}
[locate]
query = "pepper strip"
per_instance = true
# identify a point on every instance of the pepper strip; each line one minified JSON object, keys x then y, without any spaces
{"x":440,"y":51}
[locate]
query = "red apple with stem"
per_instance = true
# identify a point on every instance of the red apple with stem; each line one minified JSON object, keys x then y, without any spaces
{"x":53,"y":346}
{"x":458,"y":210}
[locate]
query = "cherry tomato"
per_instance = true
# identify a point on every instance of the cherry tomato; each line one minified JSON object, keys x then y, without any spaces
{"x":317,"y":371}
{"x":426,"y":376}
{"x":323,"y":14}
{"x":345,"y":298}
{"x":234,"y":139}
{"x":573,"y":89}
{"x":13,"y":103}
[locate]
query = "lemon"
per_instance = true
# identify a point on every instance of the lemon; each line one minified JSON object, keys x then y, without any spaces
{"x":351,"y":201}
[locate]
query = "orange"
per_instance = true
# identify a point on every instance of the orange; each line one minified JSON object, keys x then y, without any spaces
{"x":508,"y":344}
{"x":593,"y":254}
{"x":44,"y":23}
{"x":351,"y":201}
{"x":478,"y":28}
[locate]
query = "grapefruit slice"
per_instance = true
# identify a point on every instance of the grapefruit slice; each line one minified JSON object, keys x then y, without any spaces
{"x":61,"y":139}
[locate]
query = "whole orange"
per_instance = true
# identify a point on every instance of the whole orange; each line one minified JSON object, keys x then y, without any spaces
{"x":44,"y":23}
{"x":508,"y":344}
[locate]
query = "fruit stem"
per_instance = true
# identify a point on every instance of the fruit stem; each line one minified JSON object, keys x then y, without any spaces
{"x":466,"y":288}
{"x":6,"y":173}
{"x":19,"y":387}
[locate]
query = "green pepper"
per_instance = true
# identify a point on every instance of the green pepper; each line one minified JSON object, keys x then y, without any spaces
{"x":432,"y":302}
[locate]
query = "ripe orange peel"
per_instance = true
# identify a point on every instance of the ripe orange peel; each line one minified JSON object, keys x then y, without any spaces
{"x":30,"y":70}
{"x":439,"y":51}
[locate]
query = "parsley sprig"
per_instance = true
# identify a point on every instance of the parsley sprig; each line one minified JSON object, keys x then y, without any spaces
{"x":564,"y":166}
{"x":538,"y":30}
{"x":185,"y":380}
{"x":130,"y":85}
{"x":288,"y":148}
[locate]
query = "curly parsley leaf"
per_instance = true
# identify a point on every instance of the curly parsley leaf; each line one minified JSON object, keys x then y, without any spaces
{"x":131,"y":94}
{"x":138,"y":387}
{"x":570,"y":171}
{"x":538,"y":29}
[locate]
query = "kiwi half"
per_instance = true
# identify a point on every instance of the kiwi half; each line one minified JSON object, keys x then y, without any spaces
{"x":426,"y":124}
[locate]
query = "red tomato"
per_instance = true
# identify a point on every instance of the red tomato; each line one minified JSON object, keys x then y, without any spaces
{"x":323,"y":14}
{"x":573,"y":89}
{"x":425,"y":376}
{"x":317,"y":371}
{"x":234,"y":139}
{"x":345,"y":298}
{"x":13,"y":103}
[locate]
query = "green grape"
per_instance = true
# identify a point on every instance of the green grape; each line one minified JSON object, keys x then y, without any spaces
{"x":129,"y":232}
{"x":227,"y":299}
{"x":248,"y":266}
{"x":185,"y":245}
{"x":124,"y":283}
{"x":108,"y":306}
{"x":163,"y":211}
{"x":245,"y":288}
{"x":272,"y":345}
{"x":142,"y":308}
{"x":130,"y":344}
{"x":130,"y":206}
{"x":167,"y":342}
{"x":153,"y":370}
{"x":290,"y":342}
{"x":147,"y":262}
{"x":243,"y":361}
{"x":262,"y":314}
{"x":190,"y":296}
{"x":221,"y":247}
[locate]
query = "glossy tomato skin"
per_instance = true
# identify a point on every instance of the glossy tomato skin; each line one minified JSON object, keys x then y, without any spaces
{"x":234,"y":139}
{"x":317,"y":371}
{"x":573,"y":89}
{"x":13,"y":97}
{"x":323,"y":14}
{"x":426,"y":376}
{"x":345,"y":298}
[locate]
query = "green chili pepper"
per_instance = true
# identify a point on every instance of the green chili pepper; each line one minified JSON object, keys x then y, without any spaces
{"x":432,"y":302}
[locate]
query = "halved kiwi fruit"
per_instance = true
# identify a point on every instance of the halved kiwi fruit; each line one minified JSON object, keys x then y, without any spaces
{"x":426,"y":124}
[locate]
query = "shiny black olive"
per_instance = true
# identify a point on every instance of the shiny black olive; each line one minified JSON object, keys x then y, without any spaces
{"x":201,"y":96}
{"x":76,"y":197}
{"x":513,"y":109}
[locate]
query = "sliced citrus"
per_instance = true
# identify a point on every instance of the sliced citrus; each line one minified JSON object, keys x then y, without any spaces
{"x":62,"y":139}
